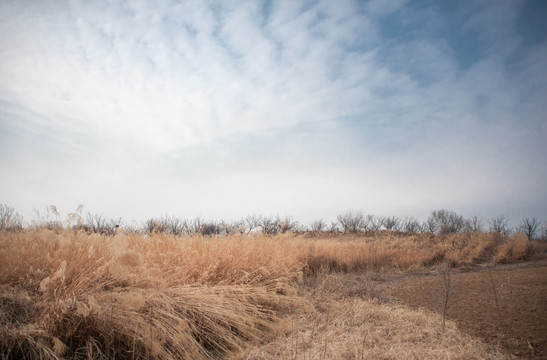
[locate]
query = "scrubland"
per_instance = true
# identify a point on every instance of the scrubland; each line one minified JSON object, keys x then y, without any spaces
{"x":70,"y":294}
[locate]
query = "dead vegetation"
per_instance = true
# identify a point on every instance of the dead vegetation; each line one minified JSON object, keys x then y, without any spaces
{"x":357,"y":328}
{"x":77,"y":296}
{"x":70,"y":294}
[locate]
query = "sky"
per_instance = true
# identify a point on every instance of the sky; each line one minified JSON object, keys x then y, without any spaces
{"x":221,"y":109}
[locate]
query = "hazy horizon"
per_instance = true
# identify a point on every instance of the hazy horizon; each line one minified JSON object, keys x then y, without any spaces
{"x":222,"y":109}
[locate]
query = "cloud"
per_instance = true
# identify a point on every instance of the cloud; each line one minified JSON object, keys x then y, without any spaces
{"x":388,"y":105}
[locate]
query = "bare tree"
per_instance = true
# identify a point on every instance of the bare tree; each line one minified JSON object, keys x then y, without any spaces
{"x":176,"y":226}
{"x":210,"y":228}
{"x":286,"y":224}
{"x":318,"y":225}
{"x":411,"y":225}
{"x":351,"y":221}
{"x":431,"y":225}
{"x":372,"y":223}
{"x":253,"y":222}
{"x":500,"y":225}
{"x":226,"y":228}
{"x":133,"y":228}
{"x":269,"y":225}
{"x":446,"y":279}
{"x":447,"y":222}
{"x":529,"y":227}
{"x":473,"y":224}
{"x":239,"y":226}
{"x":168,"y":224}
{"x":150,"y":226}
{"x":392,"y":223}
{"x":194,"y":225}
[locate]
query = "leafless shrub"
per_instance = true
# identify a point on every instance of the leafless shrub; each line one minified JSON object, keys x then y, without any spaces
{"x":133,"y":228}
{"x":318,"y":225}
{"x":236,"y":227}
{"x":153,"y":225}
{"x":447,"y":222}
{"x":445,"y":277}
{"x":495,"y":296}
{"x":431,"y":225}
{"x":226,"y":228}
{"x":411,"y":225}
{"x":352,"y":221}
{"x":210,"y":228}
{"x":101,"y":225}
{"x":176,"y":226}
{"x":182,"y":227}
{"x":194,"y":225}
{"x":269,"y":226}
{"x":253,"y":222}
{"x":473,"y":224}
{"x":169,"y":224}
{"x":273,"y":226}
{"x":500,"y":225}
{"x":529,"y":226}
{"x":287,"y":224}
{"x":334,"y":227}
{"x":391,"y":223}
{"x":371,"y":223}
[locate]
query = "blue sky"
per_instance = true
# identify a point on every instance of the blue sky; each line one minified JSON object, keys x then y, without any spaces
{"x":306,"y":108}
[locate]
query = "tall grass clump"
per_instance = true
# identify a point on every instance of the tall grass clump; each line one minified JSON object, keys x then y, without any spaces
{"x":513,"y":249}
{"x":75,"y":295}
{"x":9,"y":219}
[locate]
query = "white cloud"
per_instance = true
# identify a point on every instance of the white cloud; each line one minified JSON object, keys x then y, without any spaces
{"x":136,"y":102}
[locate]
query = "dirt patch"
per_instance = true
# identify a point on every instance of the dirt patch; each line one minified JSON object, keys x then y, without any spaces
{"x":504,"y":305}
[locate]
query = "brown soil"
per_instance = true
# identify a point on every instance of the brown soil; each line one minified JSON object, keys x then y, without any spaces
{"x":505,"y":305}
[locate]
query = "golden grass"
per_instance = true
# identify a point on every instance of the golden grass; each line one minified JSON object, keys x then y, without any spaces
{"x":67,"y":294}
{"x":512,"y":249}
{"x":355,"y":328}
{"x":81,"y":296}
{"x":406,"y":252}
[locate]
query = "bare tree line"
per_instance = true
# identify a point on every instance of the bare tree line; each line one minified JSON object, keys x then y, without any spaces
{"x":440,"y":222}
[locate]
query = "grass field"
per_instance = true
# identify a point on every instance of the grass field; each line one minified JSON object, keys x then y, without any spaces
{"x":71,"y":294}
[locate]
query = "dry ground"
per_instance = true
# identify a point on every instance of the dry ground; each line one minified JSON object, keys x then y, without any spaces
{"x":519,"y":291}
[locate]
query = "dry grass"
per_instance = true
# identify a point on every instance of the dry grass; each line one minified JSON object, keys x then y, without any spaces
{"x":67,"y":294}
{"x":349,"y":321}
{"x":79,"y":296}
{"x":407,"y":252}
{"x":513,"y":249}
{"x":356,"y":328}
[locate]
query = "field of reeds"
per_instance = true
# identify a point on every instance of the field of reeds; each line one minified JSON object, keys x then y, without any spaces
{"x":75,"y":294}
